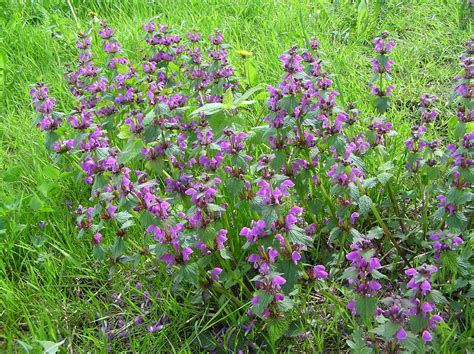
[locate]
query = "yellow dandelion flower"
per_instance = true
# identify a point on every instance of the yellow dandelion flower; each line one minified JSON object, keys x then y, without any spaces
{"x":244,"y":53}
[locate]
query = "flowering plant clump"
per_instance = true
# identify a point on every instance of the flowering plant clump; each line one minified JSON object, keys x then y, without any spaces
{"x":311,"y":200}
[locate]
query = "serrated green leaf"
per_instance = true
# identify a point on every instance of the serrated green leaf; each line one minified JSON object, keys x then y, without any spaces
{"x":364,"y":204}
{"x":289,"y":271}
{"x":228,"y":99}
{"x":417,"y":323}
{"x":209,"y":109}
{"x":382,"y":104}
{"x":384,"y":177}
{"x":130,"y":151}
{"x":118,"y":248}
{"x":366,"y":307}
{"x":438,"y":297}
{"x":264,"y":300}
{"x":12,"y":174}
{"x":188,"y":273}
{"x":50,"y":347}
{"x":276,"y":329}
{"x":215,"y":208}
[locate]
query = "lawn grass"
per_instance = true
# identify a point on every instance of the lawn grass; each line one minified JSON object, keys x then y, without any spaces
{"x":51,"y":287}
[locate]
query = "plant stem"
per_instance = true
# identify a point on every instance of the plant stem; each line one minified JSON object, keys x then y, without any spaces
{"x":396,"y":208}
{"x":384,"y":227}
{"x":74,"y":15}
{"x":425,"y":209}
{"x":328,"y":200}
{"x":394,"y":202}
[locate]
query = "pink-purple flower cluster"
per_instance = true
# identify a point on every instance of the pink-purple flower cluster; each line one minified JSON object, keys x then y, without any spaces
{"x":250,"y":214}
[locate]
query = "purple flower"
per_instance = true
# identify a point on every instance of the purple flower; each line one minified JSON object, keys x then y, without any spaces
{"x":215,"y":273}
{"x":256,"y":231}
{"x":354,"y":217}
{"x":434,"y":320}
{"x":221,"y":238}
{"x":351,"y":306}
{"x":272,"y":254}
{"x":273,"y":196}
{"x":426,"y":336}
{"x":169,"y":259}
{"x":421,"y":278}
{"x":97,"y":238}
{"x":295,"y":257}
{"x":277,"y":281}
{"x":319,"y":272}
{"x":401,"y":334}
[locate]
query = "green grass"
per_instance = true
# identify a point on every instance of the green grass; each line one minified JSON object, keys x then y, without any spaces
{"x":50,"y":286}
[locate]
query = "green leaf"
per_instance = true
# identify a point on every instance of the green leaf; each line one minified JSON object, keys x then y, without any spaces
{"x":12,"y":174}
{"x":51,"y":138}
{"x":127,"y":224}
{"x":234,"y":186}
{"x":438,"y":297}
{"x":36,"y":203}
{"x":286,"y":304}
{"x":370,"y":182}
{"x":382,"y":104}
{"x":417,"y":323}
{"x":45,"y":188}
{"x":279,"y":160}
{"x":387,"y":330}
{"x":289,"y":103}
{"x":50,"y":347}
{"x":260,"y":134}
{"x":439,"y":214}
{"x":265,"y":299}
{"x":209,"y":109}
{"x":215,"y":208}
{"x":98,"y":252}
{"x":413,"y":344}
{"x":364,"y":204}
{"x":219,"y":122}
{"x":124,"y":132}
{"x":158,"y":249}
{"x":123,"y":216}
{"x":349,"y":273}
{"x":188,"y":273}
{"x":276,"y":329}
{"x":354,"y":191}
{"x":118,"y":248}
{"x":384,"y":177}
{"x":460,"y":130}
{"x":297,"y":236}
{"x":289,"y":271}
{"x":251,"y":73}
{"x":228,"y":99}
{"x":334,"y":234}
{"x":2,"y":73}
{"x":51,"y":172}
{"x":375,"y":233}
{"x":225,"y":253}
{"x":131,"y":150}
{"x":457,"y":196}
{"x":457,"y":221}
{"x":28,"y":348}
{"x":358,"y":344}
{"x":449,"y":260}
{"x":247,"y":94}
{"x":269,"y":213}
{"x":366,"y":307}
{"x":38,"y":241}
